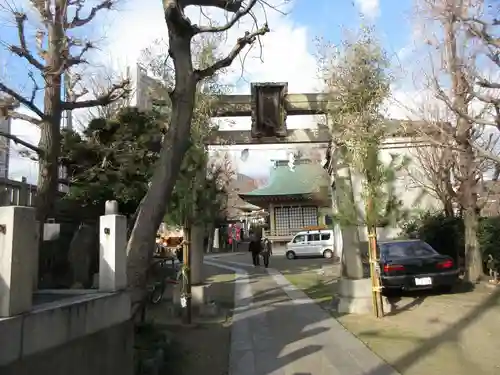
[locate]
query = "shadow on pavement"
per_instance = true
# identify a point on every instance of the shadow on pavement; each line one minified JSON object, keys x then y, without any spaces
{"x":408,"y":300}
{"x":274,"y":334}
{"x":292,"y":342}
{"x":451,"y":334}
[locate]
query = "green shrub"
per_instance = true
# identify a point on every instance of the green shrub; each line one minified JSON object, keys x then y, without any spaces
{"x":446,"y":234}
{"x":489,"y":237}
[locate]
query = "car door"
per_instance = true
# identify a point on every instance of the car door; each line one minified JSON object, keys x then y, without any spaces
{"x":299,"y":244}
{"x":313,"y":244}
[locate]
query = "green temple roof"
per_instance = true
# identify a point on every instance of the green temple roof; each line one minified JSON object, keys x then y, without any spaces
{"x":307,"y":179}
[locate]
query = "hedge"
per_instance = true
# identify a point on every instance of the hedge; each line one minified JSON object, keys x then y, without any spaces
{"x":446,"y":234}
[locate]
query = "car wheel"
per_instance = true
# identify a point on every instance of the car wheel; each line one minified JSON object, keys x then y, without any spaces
{"x":157,"y":294}
{"x":328,"y":254}
{"x":290,"y":255}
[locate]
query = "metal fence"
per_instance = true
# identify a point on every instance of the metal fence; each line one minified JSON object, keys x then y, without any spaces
{"x":17,"y":193}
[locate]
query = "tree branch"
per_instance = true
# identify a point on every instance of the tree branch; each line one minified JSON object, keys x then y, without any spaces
{"x":117,"y":91}
{"x":77,"y":59}
{"x":441,"y":95}
{"x":22,"y":50}
{"x":482,"y":31}
{"x":242,"y":42}
{"x":22,"y":116}
{"x":78,"y":21}
{"x":228,"y":5}
{"x":485,"y":153}
{"x":22,"y":100}
{"x":238,"y":10}
{"x":18,"y":140}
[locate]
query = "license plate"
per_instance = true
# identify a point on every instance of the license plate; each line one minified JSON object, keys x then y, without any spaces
{"x":423,"y":281}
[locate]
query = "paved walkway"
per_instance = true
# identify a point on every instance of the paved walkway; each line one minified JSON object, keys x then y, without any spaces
{"x":278,"y":330}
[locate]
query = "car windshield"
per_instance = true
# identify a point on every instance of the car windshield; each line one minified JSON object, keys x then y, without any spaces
{"x":407,"y":249}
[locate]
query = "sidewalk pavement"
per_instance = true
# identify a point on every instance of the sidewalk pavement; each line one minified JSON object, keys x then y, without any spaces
{"x":278,"y":330}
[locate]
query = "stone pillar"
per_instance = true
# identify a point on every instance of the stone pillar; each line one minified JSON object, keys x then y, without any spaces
{"x":111,"y":208}
{"x":354,"y":289}
{"x":197,"y":236}
{"x":352,"y":267}
{"x":18,"y":259}
{"x":112,"y":253}
{"x":216,"y":243}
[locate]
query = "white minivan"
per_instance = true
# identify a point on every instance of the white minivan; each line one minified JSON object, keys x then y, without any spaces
{"x":311,"y":243}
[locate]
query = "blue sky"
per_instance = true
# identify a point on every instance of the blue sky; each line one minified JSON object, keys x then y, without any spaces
{"x":288,"y":52}
{"x":327,"y":18}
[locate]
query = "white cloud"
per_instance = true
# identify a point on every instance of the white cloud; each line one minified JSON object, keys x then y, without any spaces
{"x":369,"y":8}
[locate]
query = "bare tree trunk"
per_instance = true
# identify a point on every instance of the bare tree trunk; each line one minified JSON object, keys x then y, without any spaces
{"x":175,"y":145}
{"x":473,"y":256}
{"x":50,"y":136}
{"x":468,"y":200}
{"x":448,"y":207}
{"x":467,"y":163}
{"x":48,"y":165}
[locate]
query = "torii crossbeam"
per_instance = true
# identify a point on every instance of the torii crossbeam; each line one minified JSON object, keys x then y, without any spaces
{"x":268,"y":105}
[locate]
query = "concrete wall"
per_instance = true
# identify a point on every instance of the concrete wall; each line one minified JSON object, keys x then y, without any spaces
{"x":106,"y":352}
{"x":74,"y":333}
{"x":414,"y":197}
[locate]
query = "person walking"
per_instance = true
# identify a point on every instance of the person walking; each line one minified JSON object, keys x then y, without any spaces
{"x":255,"y":248}
{"x":267,"y":251}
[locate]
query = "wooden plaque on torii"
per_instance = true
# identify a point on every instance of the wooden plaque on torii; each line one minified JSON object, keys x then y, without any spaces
{"x":268,"y":106}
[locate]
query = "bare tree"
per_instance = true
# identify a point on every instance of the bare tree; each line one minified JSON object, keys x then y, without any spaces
{"x":483,"y":29}
{"x":99,"y":84}
{"x":181,"y":32}
{"x":431,"y":169}
{"x":450,"y":81}
{"x":53,"y":52}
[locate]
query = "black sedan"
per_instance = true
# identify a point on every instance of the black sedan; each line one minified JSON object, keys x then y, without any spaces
{"x":414,"y":264}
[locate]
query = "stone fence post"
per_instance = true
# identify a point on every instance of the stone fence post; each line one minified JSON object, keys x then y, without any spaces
{"x":112,"y":253}
{"x":18,"y":259}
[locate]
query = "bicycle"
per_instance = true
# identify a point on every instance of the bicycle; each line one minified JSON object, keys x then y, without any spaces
{"x":156,"y":290}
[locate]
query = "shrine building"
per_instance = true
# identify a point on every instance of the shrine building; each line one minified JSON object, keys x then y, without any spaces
{"x":296,"y":198}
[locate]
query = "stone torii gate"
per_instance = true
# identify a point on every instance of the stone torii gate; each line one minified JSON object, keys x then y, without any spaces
{"x":268,"y":105}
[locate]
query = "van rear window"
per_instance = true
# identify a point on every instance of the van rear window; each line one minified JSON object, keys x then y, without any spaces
{"x":325,"y":236}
